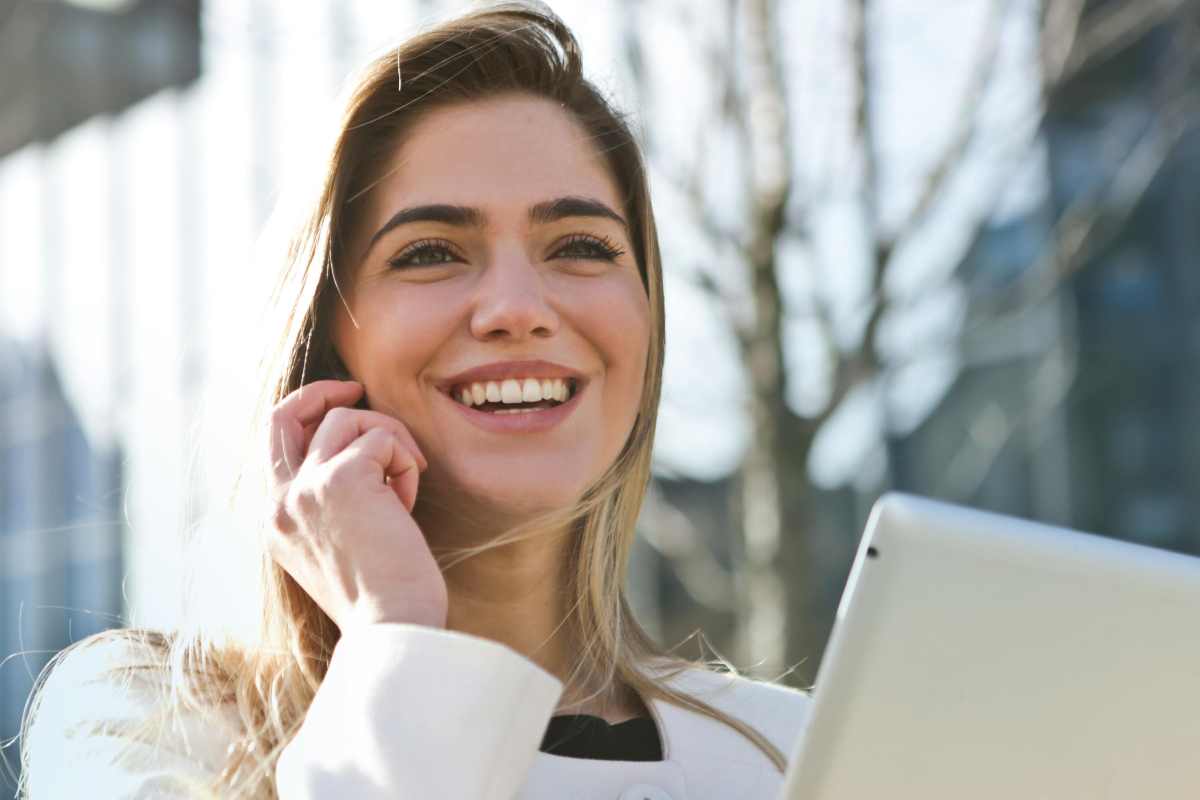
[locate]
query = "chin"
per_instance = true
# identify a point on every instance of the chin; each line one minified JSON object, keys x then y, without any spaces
{"x":521,"y":495}
{"x":526,"y":500}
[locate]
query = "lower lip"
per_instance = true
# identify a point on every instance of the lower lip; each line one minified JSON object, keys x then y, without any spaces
{"x":527,"y":422}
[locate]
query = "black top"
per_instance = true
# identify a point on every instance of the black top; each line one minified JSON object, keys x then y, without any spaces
{"x":587,"y":736}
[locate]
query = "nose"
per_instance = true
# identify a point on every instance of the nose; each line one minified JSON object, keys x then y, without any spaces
{"x":511,"y":302}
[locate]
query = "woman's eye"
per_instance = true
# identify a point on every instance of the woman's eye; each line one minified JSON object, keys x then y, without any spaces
{"x":424,"y":254}
{"x":589,"y":247}
{"x":434,"y":253}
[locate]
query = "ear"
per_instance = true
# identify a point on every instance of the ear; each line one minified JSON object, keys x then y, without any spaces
{"x":336,"y":366}
{"x":339,"y":372}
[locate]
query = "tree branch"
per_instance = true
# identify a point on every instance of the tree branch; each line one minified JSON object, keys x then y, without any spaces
{"x":867,"y":361}
{"x":982,"y":75}
{"x":992,"y":429}
{"x":1060,"y":30}
{"x":1069,"y":46}
{"x":1079,"y":232}
{"x":1112,"y":29}
{"x":763,"y":107}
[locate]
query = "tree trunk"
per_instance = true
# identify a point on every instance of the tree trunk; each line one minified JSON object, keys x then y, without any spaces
{"x":811,"y":550}
{"x":762,"y":631}
{"x":762,"y":605}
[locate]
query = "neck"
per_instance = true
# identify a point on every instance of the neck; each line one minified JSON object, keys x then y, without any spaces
{"x":513,"y":594}
{"x":516,"y":594}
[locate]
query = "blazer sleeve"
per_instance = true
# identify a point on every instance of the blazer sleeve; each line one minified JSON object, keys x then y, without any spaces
{"x":413,"y":711}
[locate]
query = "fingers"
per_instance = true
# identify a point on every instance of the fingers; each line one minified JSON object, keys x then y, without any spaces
{"x":309,"y":432}
{"x":342,"y":426}
{"x":305,"y":407}
{"x":285,"y":443}
{"x":388,"y":458}
{"x":312,"y":401}
{"x":315,"y":422}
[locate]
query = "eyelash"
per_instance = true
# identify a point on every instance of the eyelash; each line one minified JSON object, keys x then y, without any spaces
{"x":602,"y":248}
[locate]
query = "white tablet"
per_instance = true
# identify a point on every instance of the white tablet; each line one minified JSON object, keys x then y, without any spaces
{"x":985,"y":657}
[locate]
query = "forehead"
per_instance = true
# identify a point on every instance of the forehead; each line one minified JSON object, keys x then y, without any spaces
{"x":501,"y":155}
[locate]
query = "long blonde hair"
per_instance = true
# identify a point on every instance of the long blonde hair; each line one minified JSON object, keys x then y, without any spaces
{"x":271,"y":680}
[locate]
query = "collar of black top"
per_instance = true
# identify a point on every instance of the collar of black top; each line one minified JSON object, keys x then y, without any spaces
{"x":588,"y":736}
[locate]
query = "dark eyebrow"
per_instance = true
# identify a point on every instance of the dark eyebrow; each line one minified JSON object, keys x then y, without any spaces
{"x":461,"y":216}
{"x":564,"y":207}
{"x":467,"y":217}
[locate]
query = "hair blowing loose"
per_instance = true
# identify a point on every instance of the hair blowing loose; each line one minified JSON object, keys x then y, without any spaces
{"x":271,"y":680}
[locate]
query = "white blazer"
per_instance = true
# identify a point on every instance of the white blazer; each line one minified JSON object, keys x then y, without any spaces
{"x":407,"y":711}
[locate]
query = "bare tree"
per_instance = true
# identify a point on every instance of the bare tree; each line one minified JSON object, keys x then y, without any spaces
{"x":750,"y":86}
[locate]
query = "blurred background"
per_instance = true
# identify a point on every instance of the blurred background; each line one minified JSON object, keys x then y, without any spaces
{"x":945,"y":247}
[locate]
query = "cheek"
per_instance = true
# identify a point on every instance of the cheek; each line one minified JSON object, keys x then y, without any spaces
{"x":398,"y":330}
{"x":616,"y":320}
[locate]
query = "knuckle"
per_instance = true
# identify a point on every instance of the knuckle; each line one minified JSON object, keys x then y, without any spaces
{"x":377,"y":419}
{"x":282,"y":519}
{"x":378,"y":435}
{"x":343,"y":474}
{"x":277,"y":417}
{"x":303,"y":502}
{"x":280,"y":466}
{"x":397,"y":427}
{"x":339,"y":415}
{"x":379,"y":416}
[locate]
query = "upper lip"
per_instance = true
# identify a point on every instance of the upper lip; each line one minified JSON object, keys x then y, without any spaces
{"x":500,"y":370}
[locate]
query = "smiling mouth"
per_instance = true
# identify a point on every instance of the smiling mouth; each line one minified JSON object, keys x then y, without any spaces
{"x":515,"y":395}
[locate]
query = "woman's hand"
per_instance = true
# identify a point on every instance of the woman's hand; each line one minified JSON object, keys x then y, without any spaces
{"x":344,"y":482}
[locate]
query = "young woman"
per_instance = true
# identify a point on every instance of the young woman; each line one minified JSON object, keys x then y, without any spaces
{"x":461,"y":418}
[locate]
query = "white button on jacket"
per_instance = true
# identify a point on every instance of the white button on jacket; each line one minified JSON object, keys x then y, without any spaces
{"x":407,"y":711}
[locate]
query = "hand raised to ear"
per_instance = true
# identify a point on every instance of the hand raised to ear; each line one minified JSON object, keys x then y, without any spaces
{"x":343,"y":484}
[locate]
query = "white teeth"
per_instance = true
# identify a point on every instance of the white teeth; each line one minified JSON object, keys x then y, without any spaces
{"x":514,"y":390}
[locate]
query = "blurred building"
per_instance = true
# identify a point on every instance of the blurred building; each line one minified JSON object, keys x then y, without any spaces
{"x":1079,"y":409}
{"x":65,"y":62}
{"x":1135,"y":448}
{"x":62,"y":519}
{"x":60,"y":558}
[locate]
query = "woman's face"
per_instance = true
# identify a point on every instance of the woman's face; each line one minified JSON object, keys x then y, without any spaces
{"x":497,"y":236}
